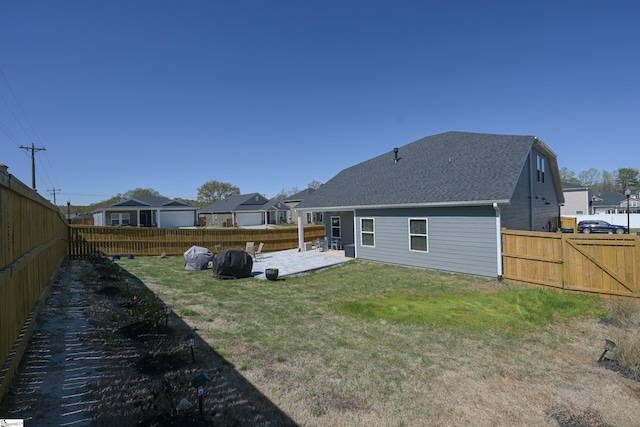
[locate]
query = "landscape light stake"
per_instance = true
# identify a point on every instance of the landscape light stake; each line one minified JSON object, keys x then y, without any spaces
{"x":190,"y":338}
{"x":199,"y":381}
{"x":608,"y":346}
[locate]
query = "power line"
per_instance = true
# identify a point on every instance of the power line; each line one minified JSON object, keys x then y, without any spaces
{"x":33,"y":162}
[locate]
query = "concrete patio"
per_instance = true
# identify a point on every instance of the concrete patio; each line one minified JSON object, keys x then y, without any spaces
{"x":292,"y":262}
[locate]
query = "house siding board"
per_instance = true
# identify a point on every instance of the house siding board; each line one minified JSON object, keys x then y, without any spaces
{"x":517,"y":214}
{"x":576,"y":202}
{"x":346,"y":225}
{"x":460,"y":240}
{"x":531,"y":197}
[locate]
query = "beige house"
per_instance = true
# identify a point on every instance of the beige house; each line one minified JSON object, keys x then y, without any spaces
{"x":308,"y":217}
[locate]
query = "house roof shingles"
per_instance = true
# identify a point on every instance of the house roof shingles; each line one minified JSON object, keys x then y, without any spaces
{"x":447,"y":168}
{"x":609,"y":198}
{"x":299,"y":196}
{"x":149,"y":200}
{"x":235,"y":203}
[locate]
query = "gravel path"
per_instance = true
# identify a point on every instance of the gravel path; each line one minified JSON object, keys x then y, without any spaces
{"x":51,"y":388}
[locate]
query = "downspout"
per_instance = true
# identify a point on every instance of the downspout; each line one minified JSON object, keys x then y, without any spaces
{"x":531,"y":196}
{"x":355,"y":235}
{"x":498,"y":240}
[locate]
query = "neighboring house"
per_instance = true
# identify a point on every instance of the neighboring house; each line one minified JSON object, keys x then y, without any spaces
{"x":276,"y":212}
{"x":295,"y":199}
{"x":577,"y":199}
{"x":80,"y":219}
{"x":613,"y":202}
{"x":244,"y":210}
{"x":147,"y":210}
{"x":441,"y":202}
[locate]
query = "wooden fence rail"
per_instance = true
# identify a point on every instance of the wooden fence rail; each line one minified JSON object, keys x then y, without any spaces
{"x":608,"y":265}
{"x":87,"y":240}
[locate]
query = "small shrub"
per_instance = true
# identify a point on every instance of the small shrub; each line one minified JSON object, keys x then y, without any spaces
{"x":149,"y":309}
{"x":624,"y":312}
{"x":628,"y":351}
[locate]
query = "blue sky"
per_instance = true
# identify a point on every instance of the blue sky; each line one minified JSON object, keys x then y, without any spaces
{"x":271,"y":95}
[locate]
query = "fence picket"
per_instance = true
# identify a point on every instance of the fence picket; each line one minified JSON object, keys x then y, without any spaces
{"x":607,"y":265}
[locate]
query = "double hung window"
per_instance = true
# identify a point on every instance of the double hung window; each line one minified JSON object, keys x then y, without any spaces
{"x":418,"y":235}
{"x":367,"y":232}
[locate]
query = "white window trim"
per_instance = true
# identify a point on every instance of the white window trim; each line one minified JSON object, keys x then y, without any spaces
{"x":373,"y":233}
{"x":426,"y":220}
{"x":339,"y":236}
{"x":540,"y":168}
{"x":120,"y":218}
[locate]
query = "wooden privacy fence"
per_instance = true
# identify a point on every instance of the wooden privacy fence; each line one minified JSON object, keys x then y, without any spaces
{"x":87,"y":240}
{"x":608,"y":265}
{"x":33,"y":243}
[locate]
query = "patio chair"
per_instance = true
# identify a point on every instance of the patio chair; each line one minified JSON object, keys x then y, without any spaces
{"x":322,"y":244}
{"x":335,"y":244}
{"x":250,"y":249}
{"x":258,"y":252}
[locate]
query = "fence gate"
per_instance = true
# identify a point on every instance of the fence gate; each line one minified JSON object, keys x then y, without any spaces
{"x":608,"y":265}
{"x":601,"y":264}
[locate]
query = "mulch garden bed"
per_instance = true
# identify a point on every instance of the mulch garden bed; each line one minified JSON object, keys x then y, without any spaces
{"x":148,"y":365}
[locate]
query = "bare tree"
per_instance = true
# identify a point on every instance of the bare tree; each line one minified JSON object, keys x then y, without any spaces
{"x":589,"y":177}
{"x":315,"y":184}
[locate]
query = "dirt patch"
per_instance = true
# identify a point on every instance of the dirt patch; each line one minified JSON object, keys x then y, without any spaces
{"x":567,"y":416}
{"x":615,"y":366}
{"x":97,"y":358}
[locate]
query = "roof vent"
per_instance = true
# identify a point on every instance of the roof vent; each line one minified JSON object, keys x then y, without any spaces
{"x":396,"y":159}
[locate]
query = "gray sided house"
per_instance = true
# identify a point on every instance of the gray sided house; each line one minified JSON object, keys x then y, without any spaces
{"x":147,"y":210}
{"x":244,"y":210}
{"x":441,"y":202}
{"x":613,"y":202}
{"x":577,"y":199}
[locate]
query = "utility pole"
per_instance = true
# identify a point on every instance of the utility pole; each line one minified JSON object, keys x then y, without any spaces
{"x":33,"y":162}
{"x":54,"y":194}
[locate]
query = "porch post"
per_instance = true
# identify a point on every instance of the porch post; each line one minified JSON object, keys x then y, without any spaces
{"x":300,"y":231}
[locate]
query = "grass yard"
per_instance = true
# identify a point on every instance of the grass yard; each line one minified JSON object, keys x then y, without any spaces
{"x":366,"y":344}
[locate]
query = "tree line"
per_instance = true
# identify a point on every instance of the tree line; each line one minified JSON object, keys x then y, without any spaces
{"x":620,"y":180}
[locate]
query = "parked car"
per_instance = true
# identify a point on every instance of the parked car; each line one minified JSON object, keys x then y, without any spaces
{"x":598,"y":226}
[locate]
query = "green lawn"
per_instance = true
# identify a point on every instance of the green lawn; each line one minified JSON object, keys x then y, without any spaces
{"x":373,"y":344}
